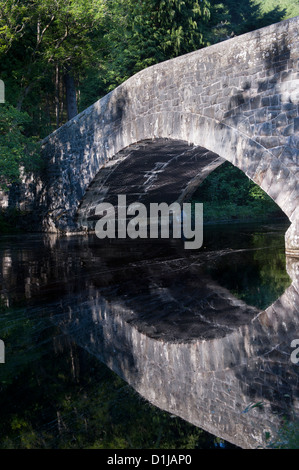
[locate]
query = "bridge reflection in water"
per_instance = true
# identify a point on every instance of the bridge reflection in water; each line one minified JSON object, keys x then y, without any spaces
{"x":167,"y":321}
{"x":188,"y":345}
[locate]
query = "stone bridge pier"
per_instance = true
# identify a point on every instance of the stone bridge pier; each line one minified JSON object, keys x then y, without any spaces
{"x":160,"y":133}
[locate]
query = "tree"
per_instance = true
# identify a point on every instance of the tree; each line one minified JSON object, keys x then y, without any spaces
{"x":58,"y":55}
{"x":146,"y":32}
{"x":16,"y":150}
{"x":44,"y":39}
{"x":230,"y":18}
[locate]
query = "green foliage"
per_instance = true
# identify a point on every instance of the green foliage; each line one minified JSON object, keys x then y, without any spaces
{"x":16,"y":150}
{"x":12,"y":21}
{"x":230,"y":18}
{"x":105,"y":42}
{"x":290,"y":8}
{"x":228,"y":194}
{"x":138,"y":34}
{"x":53,"y":39}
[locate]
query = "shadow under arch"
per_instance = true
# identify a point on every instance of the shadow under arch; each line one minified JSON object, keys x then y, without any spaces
{"x":170,"y":169}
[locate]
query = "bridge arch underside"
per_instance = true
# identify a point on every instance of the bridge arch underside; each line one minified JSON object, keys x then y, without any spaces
{"x":170,"y":170}
{"x":151,"y":171}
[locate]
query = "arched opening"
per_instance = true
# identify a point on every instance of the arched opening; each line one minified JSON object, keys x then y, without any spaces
{"x":169,"y":170}
{"x":249,"y":243}
{"x":244,"y":222}
{"x":150,"y":171}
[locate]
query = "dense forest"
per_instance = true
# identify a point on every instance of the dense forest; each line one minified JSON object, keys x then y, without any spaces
{"x":59,"y":56}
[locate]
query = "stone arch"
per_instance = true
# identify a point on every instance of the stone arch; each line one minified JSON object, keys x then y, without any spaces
{"x":153,"y":170}
{"x":237,"y":99}
{"x":205,"y":137}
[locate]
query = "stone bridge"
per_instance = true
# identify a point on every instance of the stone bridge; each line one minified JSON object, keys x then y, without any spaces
{"x":160,"y":133}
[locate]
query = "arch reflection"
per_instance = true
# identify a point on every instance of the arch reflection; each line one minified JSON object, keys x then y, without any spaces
{"x":186,"y":343}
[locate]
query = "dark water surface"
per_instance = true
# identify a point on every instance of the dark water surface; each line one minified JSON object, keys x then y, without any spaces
{"x":96,"y":333}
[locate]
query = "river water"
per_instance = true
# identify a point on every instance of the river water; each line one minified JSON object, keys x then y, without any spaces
{"x":143,"y":344}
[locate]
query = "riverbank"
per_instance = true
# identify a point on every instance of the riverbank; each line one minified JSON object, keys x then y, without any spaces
{"x":228,"y":196}
{"x":13,"y":221}
{"x":232,"y":213}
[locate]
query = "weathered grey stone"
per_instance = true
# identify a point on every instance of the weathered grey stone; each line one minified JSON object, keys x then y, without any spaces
{"x":292,"y":239}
